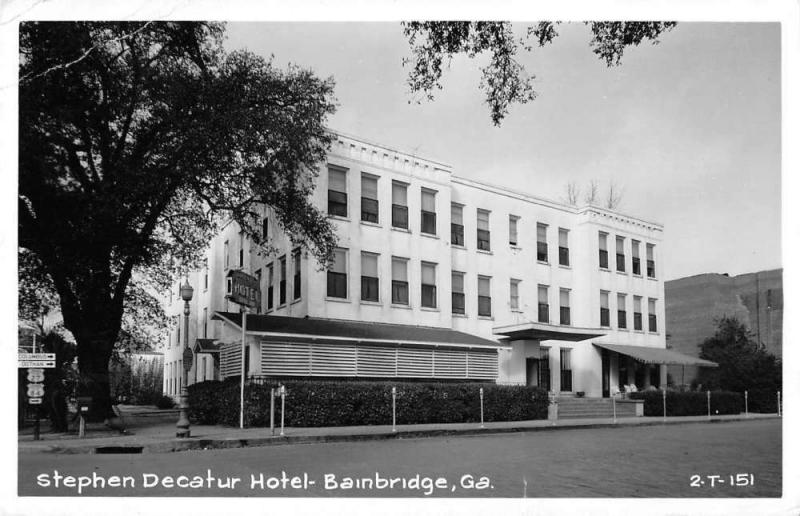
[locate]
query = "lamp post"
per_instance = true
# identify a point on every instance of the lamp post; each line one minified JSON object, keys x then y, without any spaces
{"x":183,"y":420}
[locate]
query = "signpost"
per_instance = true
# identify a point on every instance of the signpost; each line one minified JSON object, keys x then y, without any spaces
{"x":36,"y":363}
{"x":244,"y":290}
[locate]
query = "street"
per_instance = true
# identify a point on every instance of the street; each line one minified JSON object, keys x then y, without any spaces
{"x":737,"y":459}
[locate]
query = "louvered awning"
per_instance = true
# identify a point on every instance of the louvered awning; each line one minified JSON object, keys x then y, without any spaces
{"x":656,"y":355}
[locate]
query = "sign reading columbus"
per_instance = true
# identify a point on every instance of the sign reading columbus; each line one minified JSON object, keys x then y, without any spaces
{"x":243,"y":289}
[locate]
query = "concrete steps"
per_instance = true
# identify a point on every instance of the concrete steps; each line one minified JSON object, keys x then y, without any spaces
{"x":577,"y":408}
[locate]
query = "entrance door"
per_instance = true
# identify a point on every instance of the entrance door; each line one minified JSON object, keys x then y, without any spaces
{"x":532,"y":371}
{"x":606,"y":374}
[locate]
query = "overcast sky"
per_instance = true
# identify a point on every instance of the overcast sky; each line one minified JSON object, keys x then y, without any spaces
{"x":689,"y":128}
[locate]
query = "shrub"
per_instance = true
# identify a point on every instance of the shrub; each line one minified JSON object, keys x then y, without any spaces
{"x":314,"y":403}
{"x":164,"y":402}
{"x":690,"y":403}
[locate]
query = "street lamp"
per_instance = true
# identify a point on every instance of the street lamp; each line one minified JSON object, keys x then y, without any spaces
{"x":183,"y":420}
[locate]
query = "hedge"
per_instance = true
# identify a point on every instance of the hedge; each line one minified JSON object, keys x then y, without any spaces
{"x":314,"y":403}
{"x":690,"y":403}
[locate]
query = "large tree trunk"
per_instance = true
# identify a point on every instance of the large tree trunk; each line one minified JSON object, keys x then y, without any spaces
{"x":94,"y":355}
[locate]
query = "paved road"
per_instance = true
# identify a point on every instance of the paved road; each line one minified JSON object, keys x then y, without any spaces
{"x":654,"y":461}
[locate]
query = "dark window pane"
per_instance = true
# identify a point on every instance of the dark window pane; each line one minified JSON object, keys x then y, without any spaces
{"x":337,"y":203}
{"x":563,"y":255}
{"x":485,"y":306}
{"x":605,"y":317}
{"x":283,"y":292}
{"x":296,"y":286}
{"x":369,"y":210}
{"x":637,"y":320}
{"x":544,"y":312}
{"x":429,"y":296}
{"x":428,"y":222}
{"x":337,"y":284}
{"x":541,"y":251}
{"x":483,"y":240}
{"x":652,"y":322}
{"x":458,"y":303}
{"x":369,"y":288}
{"x":270,"y":293}
{"x":457,"y":234}
{"x":564,"y":315}
{"x":399,"y":216}
{"x":620,"y":262}
{"x":544,"y":373}
{"x":603,"y":259}
{"x":566,"y":380}
{"x":651,"y":269}
{"x":636,"y":266}
{"x":622,"y":319}
{"x":400,"y":292}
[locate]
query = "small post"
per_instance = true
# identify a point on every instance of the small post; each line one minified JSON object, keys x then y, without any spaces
{"x":779,"y":403}
{"x":283,"y":405}
{"x":614,"y":405}
{"x":272,"y":410}
{"x":482,"y":408}
{"x":394,"y":409}
{"x":708,"y":397}
{"x":745,"y":404}
{"x":81,"y":426}
{"x":243,"y":373}
{"x":664,"y":401}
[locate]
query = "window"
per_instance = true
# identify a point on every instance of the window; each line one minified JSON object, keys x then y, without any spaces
{"x":483,"y":230}
{"x":265,"y":229}
{"x":622,"y":314}
{"x":337,"y":275}
{"x":428,"y":212}
{"x":428,"y":285}
{"x":566,"y":370}
{"x":241,"y":249}
{"x":270,"y":286}
{"x":399,"y":205}
{"x":651,"y":315}
{"x":369,"y":198}
{"x":512,"y":229}
{"x":399,"y":281}
{"x":637,"y":313}
{"x":458,"y":293}
{"x":605,"y":316}
{"x":603,"y":237}
{"x":226,"y":255}
{"x":541,"y":242}
{"x":205,"y":279}
{"x":337,"y":192}
{"x":544,"y":368}
{"x":563,"y":298}
{"x":620,"y":254}
{"x":544,"y":306}
{"x":563,"y":247}
{"x":178,"y":336}
{"x":651,"y":264}
{"x":369,"y":277}
{"x":636,"y":265}
{"x":282,"y":284}
{"x":258,"y":280}
{"x":484,"y":296}
{"x":205,"y":323}
{"x":297,"y":272}
{"x":514,"y":294}
{"x":457,"y":224}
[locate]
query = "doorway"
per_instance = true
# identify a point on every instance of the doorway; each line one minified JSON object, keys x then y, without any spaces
{"x":606,"y":367}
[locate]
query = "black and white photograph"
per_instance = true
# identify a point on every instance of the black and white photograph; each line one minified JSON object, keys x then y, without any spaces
{"x":339,"y":258}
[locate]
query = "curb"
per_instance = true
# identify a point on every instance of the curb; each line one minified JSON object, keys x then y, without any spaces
{"x":191,"y":444}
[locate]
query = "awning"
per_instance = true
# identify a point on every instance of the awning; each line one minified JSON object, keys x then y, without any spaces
{"x":281,"y":328}
{"x":656,"y":355}
{"x":544,"y":331}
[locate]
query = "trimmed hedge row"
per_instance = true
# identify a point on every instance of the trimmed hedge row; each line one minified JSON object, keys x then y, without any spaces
{"x":314,"y":403}
{"x":690,"y":403}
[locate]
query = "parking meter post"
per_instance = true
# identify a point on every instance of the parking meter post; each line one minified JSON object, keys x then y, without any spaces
{"x":394,"y":409}
{"x":283,"y":406}
{"x":482,"y":408}
{"x":81,"y":426}
{"x":745,"y":404}
{"x":708,"y":397}
{"x":272,"y":410}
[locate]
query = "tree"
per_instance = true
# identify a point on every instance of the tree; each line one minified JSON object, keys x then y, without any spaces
{"x":505,"y":80}
{"x":136,"y":138}
{"x":744,"y":365}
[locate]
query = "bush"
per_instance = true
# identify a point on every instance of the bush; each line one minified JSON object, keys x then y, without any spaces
{"x":314,"y":403}
{"x":690,"y":403}
{"x":164,"y":402}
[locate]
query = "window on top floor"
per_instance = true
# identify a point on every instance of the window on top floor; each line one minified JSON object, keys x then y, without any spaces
{"x":636,"y":265}
{"x":265,"y":229}
{"x":282,"y":281}
{"x":458,"y":300}
{"x":226,"y":254}
{"x":399,"y":205}
{"x":270,"y":286}
{"x":296,"y":268}
{"x":337,"y":191}
{"x":563,"y":247}
{"x":369,"y":277}
{"x":258,"y":280}
{"x":369,"y":198}
{"x":603,"y":244}
{"x":512,"y":230}
{"x":205,"y":323}
{"x":428,"y":212}
{"x":651,"y":263}
{"x":457,"y":224}
{"x":620,"y":254}
{"x":541,"y":242}
{"x":483,"y":231}
{"x":337,"y":274}
{"x":241,"y":249}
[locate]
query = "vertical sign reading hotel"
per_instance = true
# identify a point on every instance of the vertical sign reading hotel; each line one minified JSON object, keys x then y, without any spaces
{"x":245,"y":290}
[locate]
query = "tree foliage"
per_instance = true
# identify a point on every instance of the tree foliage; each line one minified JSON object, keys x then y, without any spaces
{"x":505,"y":80}
{"x":136,"y":140}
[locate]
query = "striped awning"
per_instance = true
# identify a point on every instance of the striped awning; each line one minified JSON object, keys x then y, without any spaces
{"x":656,"y":355}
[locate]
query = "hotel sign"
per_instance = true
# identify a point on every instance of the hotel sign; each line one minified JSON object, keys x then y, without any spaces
{"x":243,"y":289}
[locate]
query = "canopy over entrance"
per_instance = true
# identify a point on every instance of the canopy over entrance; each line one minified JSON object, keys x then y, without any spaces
{"x":656,"y":355}
{"x":544,"y":331}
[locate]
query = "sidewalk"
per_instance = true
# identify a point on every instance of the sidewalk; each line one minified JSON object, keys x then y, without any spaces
{"x":154,"y":432}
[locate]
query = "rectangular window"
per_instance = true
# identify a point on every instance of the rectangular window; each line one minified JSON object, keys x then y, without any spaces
{"x":457,"y":224}
{"x":622,"y":314}
{"x":458,"y":293}
{"x":270,"y":286}
{"x":544,"y":368}
{"x":512,"y":229}
{"x":399,"y":281}
{"x":258,"y":280}
{"x":296,"y":284}
{"x":337,"y":192}
{"x":563,"y":247}
{"x":544,"y":306}
{"x":205,"y":323}
{"x":514,"y":298}
{"x":637,"y":313}
{"x":282,"y":284}
{"x":563,"y":297}
{"x":265,"y":229}
{"x":483,"y":230}
{"x":620,"y":254}
{"x":566,"y":370}
{"x":205,"y":279}
{"x":337,"y":275}
{"x":484,"y":296}
{"x":651,"y":315}
{"x":603,"y":243}
{"x":369,"y":277}
{"x":636,"y":264}
{"x":399,"y":205}
{"x":241,"y":249}
{"x":369,"y":198}
{"x":541,"y":242}
{"x":651,"y":264}
{"x":226,"y":254}
{"x":428,"y":212}
{"x":428,"y":285}
{"x":605,"y":316}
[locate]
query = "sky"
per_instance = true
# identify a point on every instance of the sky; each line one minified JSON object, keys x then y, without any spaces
{"x":688,"y":128}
